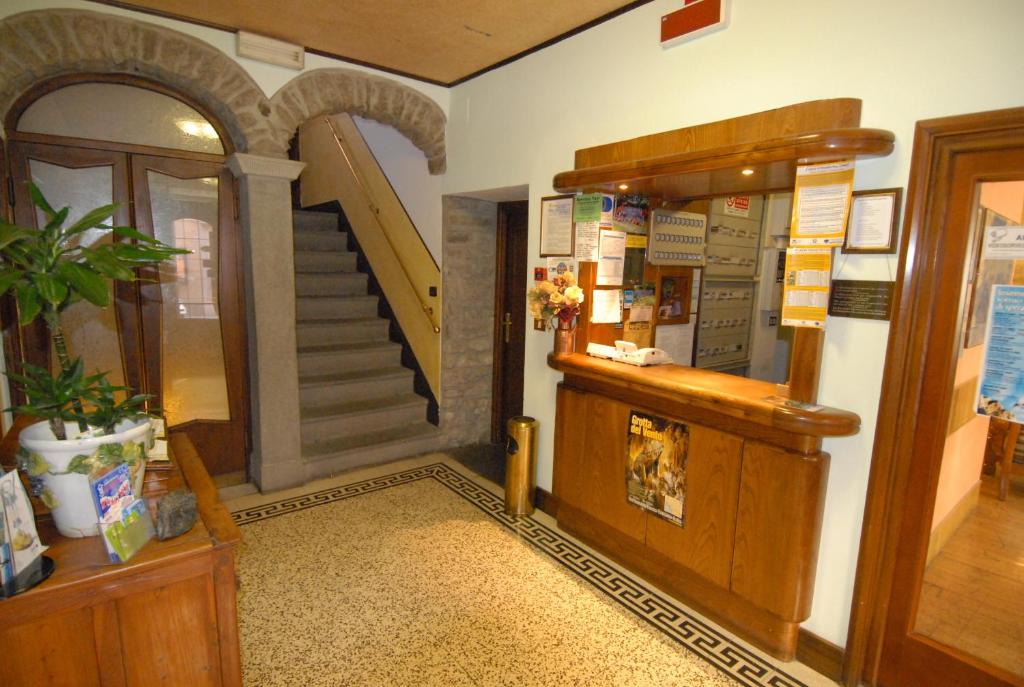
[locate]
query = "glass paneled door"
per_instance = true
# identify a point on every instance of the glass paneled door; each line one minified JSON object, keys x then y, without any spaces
{"x":178,"y":334}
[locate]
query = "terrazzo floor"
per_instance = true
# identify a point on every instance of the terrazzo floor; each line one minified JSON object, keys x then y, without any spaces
{"x":410,"y":574}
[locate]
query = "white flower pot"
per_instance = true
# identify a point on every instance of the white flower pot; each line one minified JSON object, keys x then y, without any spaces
{"x":65,"y":481}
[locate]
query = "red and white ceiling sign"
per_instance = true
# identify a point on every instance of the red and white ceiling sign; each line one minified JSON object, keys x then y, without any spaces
{"x":697,"y":18}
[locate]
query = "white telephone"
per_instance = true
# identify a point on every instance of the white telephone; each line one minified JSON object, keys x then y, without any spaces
{"x":629,"y":353}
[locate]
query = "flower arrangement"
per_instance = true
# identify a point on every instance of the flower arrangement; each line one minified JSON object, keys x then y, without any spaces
{"x":560,"y":298}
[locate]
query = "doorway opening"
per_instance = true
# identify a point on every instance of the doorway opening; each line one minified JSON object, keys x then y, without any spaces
{"x":938,"y":592}
{"x":178,"y":334}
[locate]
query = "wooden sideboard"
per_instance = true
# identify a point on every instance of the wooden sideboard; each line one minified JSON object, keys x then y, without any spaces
{"x":166,"y":617}
{"x":755,"y":487}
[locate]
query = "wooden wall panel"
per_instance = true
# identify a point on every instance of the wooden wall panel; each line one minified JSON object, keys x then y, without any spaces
{"x":186,"y":650}
{"x":596,"y":484}
{"x":57,"y":651}
{"x":570,"y":404}
{"x":712,"y":489}
{"x":781,"y":500}
{"x":784,"y":121}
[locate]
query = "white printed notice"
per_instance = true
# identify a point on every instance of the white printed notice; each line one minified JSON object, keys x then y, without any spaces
{"x":805,"y":289}
{"x":1003,"y":243}
{"x":871,"y":222}
{"x":606,"y":307}
{"x":587,"y":237}
{"x":1001,"y":392}
{"x":611,"y":258}
{"x":821,"y":204}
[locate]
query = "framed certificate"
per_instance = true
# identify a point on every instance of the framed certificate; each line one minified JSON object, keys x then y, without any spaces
{"x":556,"y":239}
{"x":871,"y":227}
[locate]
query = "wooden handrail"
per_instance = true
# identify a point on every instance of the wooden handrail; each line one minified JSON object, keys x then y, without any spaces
{"x":428,"y":309}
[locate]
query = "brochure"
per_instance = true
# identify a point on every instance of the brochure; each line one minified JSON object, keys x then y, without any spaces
{"x":124,"y":520}
{"x":19,"y":541}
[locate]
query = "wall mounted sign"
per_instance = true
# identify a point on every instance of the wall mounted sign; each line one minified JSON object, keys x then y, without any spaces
{"x":867,"y":300}
{"x":1001,"y":391}
{"x":873,"y":221}
{"x":556,"y":226}
{"x":697,"y":18}
{"x":821,"y":204}
{"x":805,"y":289}
{"x":656,"y":451}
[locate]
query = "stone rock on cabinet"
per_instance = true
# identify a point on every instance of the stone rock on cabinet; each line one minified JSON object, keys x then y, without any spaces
{"x":175,"y":514}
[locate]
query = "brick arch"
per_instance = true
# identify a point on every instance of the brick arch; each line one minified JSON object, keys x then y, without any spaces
{"x":41,"y":44}
{"x":330,"y":91}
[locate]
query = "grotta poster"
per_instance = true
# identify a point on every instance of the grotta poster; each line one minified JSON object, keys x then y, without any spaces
{"x":656,"y":451}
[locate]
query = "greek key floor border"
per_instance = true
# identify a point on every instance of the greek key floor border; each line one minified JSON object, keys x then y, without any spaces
{"x":661,"y":612}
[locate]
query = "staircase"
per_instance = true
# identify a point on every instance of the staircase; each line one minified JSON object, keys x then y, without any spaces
{"x":357,"y":404}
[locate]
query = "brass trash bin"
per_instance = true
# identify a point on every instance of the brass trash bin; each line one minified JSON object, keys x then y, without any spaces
{"x":520,"y":465}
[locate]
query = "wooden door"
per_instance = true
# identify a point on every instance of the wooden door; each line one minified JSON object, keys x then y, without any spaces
{"x":912,"y":626}
{"x":81,"y":179}
{"x":509,"y":315}
{"x":179,"y":333}
{"x":191,"y":318}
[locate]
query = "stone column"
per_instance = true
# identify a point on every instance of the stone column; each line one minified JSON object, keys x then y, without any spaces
{"x":266,"y":217}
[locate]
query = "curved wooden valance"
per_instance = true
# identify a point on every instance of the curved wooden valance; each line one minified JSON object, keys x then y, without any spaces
{"x":718,"y":170}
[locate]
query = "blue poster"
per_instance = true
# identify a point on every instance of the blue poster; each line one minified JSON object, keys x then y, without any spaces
{"x":1001,"y":393}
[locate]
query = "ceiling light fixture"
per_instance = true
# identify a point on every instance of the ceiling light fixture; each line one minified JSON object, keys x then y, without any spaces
{"x":623,"y":187}
{"x":197,"y":128}
{"x":747,"y":172}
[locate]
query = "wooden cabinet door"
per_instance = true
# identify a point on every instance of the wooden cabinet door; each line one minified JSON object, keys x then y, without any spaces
{"x":591,"y":465}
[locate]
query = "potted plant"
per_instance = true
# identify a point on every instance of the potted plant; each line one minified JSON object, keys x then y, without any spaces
{"x":88,"y":423}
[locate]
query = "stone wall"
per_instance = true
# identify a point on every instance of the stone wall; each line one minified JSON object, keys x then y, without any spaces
{"x":468,"y":237}
{"x":46,"y":43}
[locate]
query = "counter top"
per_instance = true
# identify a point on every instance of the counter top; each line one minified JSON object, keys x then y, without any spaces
{"x":759,"y":403}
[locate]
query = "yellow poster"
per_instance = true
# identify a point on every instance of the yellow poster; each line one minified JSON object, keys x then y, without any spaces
{"x":821,"y":204}
{"x":805,"y":289}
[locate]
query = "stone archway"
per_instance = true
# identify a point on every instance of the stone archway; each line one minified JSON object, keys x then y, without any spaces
{"x":330,"y":91}
{"x":41,"y":44}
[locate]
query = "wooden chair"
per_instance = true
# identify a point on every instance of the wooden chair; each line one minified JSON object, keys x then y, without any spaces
{"x":999,"y":450}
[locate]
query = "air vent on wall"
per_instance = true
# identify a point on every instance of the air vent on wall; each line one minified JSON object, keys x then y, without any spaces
{"x":271,"y":50}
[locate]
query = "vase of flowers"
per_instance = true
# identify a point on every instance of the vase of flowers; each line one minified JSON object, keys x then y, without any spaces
{"x":558,"y":301}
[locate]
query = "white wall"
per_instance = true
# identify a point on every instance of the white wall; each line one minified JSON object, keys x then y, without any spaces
{"x":405,"y":167}
{"x":907,"y":60}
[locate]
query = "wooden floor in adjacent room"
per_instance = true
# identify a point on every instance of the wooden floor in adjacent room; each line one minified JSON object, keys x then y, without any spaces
{"x":973,"y":592}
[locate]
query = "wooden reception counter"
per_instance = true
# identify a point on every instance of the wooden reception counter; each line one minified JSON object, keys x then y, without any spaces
{"x":755,"y":487}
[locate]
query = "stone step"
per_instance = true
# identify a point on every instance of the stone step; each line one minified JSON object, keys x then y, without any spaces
{"x":321,"y":241}
{"x":330,"y":332}
{"x":322,"y":360}
{"x":324,"y":261}
{"x":360,"y":385}
{"x":352,"y":418}
{"x":325,"y":458}
{"x":310,"y":308}
{"x":310,"y":220}
{"x":325,"y":284}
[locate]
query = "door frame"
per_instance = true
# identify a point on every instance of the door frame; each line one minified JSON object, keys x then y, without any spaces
{"x":905,"y":387}
{"x":510,"y":270}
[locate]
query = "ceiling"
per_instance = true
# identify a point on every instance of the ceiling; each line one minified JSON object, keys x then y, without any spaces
{"x":438,"y":42}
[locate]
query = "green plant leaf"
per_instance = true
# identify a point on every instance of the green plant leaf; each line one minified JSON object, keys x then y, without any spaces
{"x":49,"y":500}
{"x":29,"y":305}
{"x":93,"y":218}
{"x":58,"y":219}
{"x":132,"y":233}
{"x":34,"y":464}
{"x":52,"y":289}
{"x":81,"y":464}
{"x":85,"y":282}
{"x":40,"y":200}
{"x":104,"y":260}
{"x":9,"y":233}
{"x":7,"y":279}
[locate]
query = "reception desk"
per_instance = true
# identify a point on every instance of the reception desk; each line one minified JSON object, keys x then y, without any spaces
{"x":755,"y":487}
